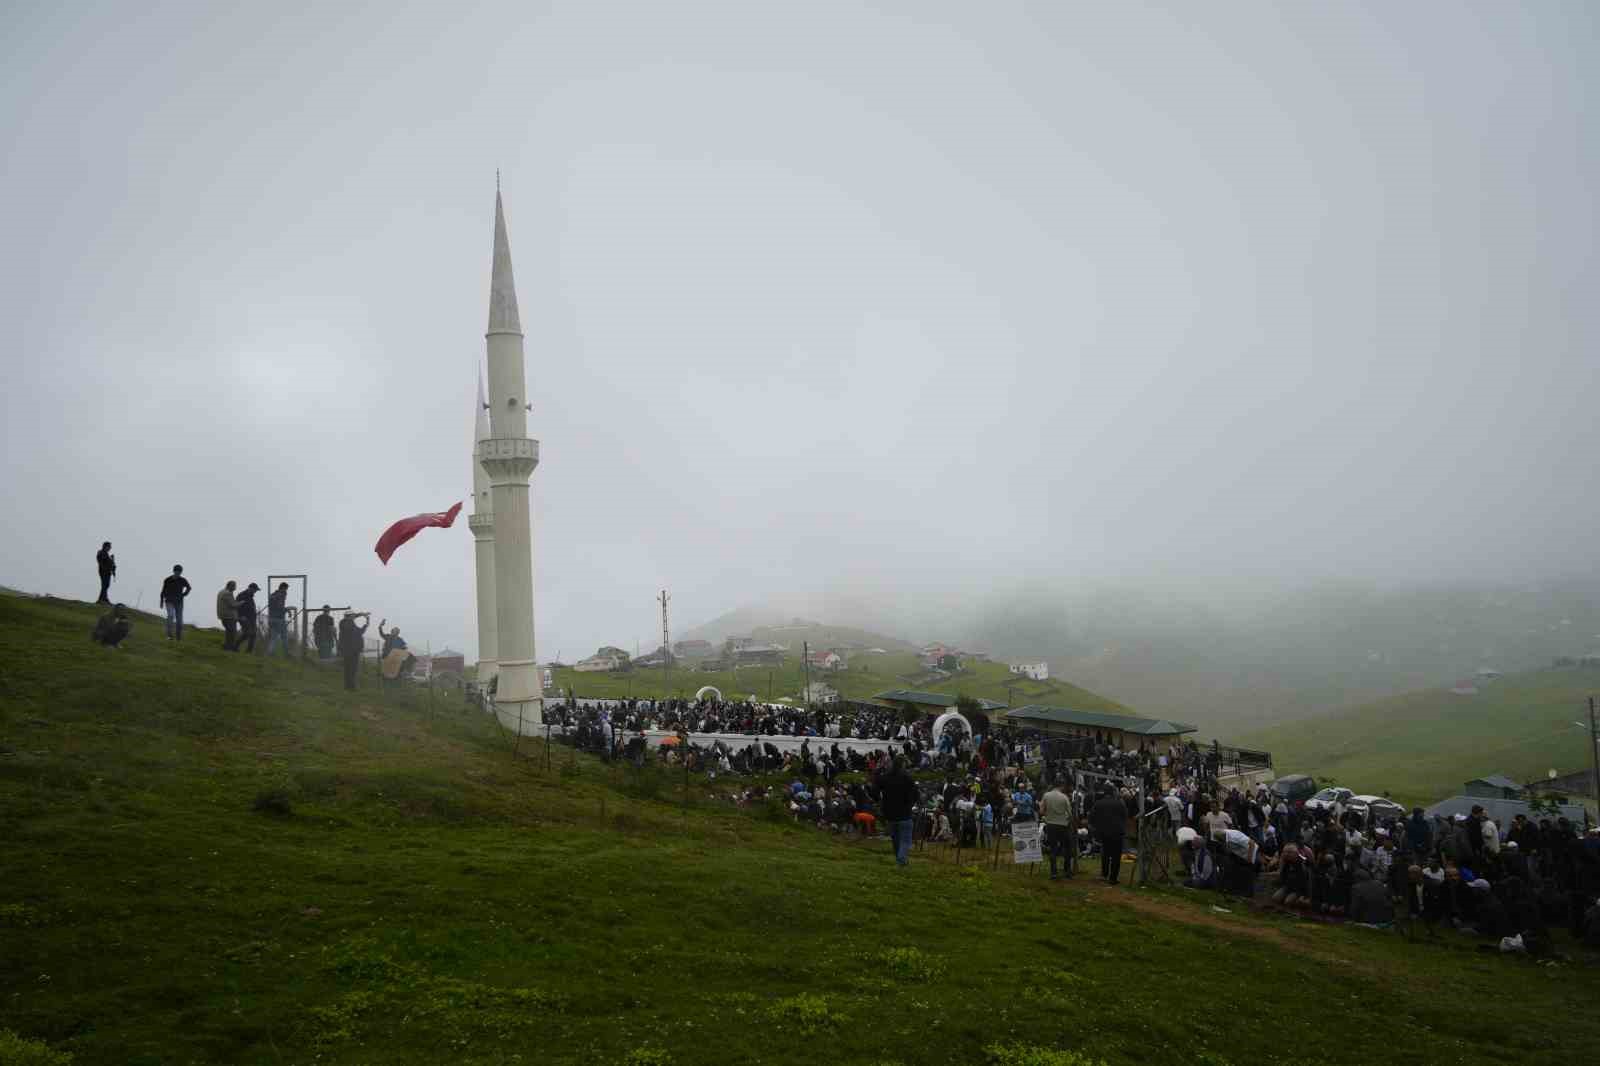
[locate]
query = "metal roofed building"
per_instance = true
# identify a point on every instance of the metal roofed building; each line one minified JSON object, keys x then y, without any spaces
{"x":930,"y":701}
{"x":1495,"y":786}
{"x":1122,"y":731}
{"x":1501,"y":810}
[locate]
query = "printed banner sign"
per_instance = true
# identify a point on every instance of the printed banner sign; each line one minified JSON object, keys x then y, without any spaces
{"x":1025,"y":842}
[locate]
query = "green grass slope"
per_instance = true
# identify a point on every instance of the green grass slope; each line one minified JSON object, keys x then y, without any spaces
{"x":427,"y":894}
{"x":1422,"y":745}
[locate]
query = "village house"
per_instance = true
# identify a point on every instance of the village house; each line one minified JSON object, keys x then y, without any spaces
{"x":826,"y":660}
{"x":605,"y":659}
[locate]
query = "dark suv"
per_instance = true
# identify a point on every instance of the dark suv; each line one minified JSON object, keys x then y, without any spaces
{"x":1295,"y":788}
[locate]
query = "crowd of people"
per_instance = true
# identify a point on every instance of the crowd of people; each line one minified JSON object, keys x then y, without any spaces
{"x":1507,"y":884}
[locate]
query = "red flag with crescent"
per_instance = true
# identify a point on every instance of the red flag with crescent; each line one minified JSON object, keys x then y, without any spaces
{"x":407,"y":528}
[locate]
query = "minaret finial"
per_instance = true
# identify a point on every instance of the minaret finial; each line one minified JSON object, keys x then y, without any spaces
{"x":497,"y":179}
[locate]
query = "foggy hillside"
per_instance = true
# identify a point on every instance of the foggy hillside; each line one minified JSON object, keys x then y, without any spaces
{"x":1239,"y":657}
{"x":1232,"y":661}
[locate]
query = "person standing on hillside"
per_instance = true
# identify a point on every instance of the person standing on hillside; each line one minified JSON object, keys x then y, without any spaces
{"x":1109,"y":819}
{"x":352,"y":640}
{"x":898,"y":794}
{"x":173,"y":590}
{"x":322,"y":633}
{"x":245,"y":603}
{"x":278,"y":618}
{"x":106,"y":563}
{"x":228,"y":615}
{"x":1059,"y":838}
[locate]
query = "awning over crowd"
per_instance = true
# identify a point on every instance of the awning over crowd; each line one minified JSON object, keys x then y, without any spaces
{"x":1122,"y":731}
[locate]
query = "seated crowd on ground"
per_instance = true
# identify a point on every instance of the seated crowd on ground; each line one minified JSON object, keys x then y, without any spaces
{"x":1509,"y":884}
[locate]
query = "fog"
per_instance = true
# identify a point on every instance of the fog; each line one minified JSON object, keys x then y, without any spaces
{"x":879,"y":310}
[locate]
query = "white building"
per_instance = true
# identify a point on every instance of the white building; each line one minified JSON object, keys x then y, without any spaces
{"x":1033,"y":671}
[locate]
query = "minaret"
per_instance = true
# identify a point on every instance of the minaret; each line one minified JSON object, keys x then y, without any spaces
{"x":509,"y":457}
{"x":482,"y":525}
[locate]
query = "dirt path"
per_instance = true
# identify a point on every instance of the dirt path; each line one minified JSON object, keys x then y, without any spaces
{"x":1244,"y":918}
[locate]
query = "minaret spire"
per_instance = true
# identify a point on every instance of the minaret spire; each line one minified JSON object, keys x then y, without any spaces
{"x":503,"y":316}
{"x":509,"y":456}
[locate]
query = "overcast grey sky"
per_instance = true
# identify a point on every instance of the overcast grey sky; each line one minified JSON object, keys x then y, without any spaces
{"x":818,"y":297}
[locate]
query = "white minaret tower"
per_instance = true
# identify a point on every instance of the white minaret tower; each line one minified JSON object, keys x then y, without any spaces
{"x":509,"y":457}
{"x":482,"y":525}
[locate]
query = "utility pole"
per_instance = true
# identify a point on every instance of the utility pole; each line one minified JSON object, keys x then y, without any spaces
{"x":1594,"y":752}
{"x":805,"y":667}
{"x":666,"y":648}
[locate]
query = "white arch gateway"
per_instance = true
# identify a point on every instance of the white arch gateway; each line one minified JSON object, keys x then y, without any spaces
{"x":950,"y":716}
{"x":708,"y":688}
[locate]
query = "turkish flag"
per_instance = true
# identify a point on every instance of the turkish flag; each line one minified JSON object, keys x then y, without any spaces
{"x":407,"y":528}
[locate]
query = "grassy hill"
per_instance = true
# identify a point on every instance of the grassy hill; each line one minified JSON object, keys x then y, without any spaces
{"x":1422,"y":745}
{"x":212,"y":859}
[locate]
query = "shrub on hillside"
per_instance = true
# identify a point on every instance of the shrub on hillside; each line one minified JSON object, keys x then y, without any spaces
{"x":911,"y":962}
{"x":273,"y":801}
{"x":16,"y":1050}
{"x":806,"y":1013}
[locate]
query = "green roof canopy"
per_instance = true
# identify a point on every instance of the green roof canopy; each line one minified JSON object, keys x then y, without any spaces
{"x":1127,"y":723}
{"x":931,"y":699}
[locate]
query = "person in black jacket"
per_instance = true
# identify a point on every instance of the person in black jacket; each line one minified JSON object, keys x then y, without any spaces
{"x":106,"y":563}
{"x":899,"y":798}
{"x":352,"y":639}
{"x":322,"y":633}
{"x":1108,"y":818}
{"x":173,"y":590}
{"x":245,"y":604}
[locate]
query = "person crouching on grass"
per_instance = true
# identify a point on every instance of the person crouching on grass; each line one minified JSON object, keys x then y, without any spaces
{"x":113,"y":627}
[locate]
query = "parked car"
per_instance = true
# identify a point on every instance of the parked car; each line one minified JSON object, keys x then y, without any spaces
{"x":1293,"y":788}
{"x":1379,"y":807}
{"x":1328,"y":798}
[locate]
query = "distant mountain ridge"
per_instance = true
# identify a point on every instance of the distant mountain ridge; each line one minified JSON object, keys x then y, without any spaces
{"x":773,"y":626}
{"x":1287,"y":656}
{"x":1235,"y":658}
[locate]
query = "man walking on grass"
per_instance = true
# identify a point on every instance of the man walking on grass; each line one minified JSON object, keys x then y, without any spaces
{"x":278,"y":618}
{"x":228,"y":615}
{"x":173,"y":590}
{"x":899,"y":794}
{"x":1058,"y":831}
{"x":1109,"y":818}
{"x":245,"y":604}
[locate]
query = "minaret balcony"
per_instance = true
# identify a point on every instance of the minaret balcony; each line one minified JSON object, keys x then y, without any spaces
{"x":508,"y":460}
